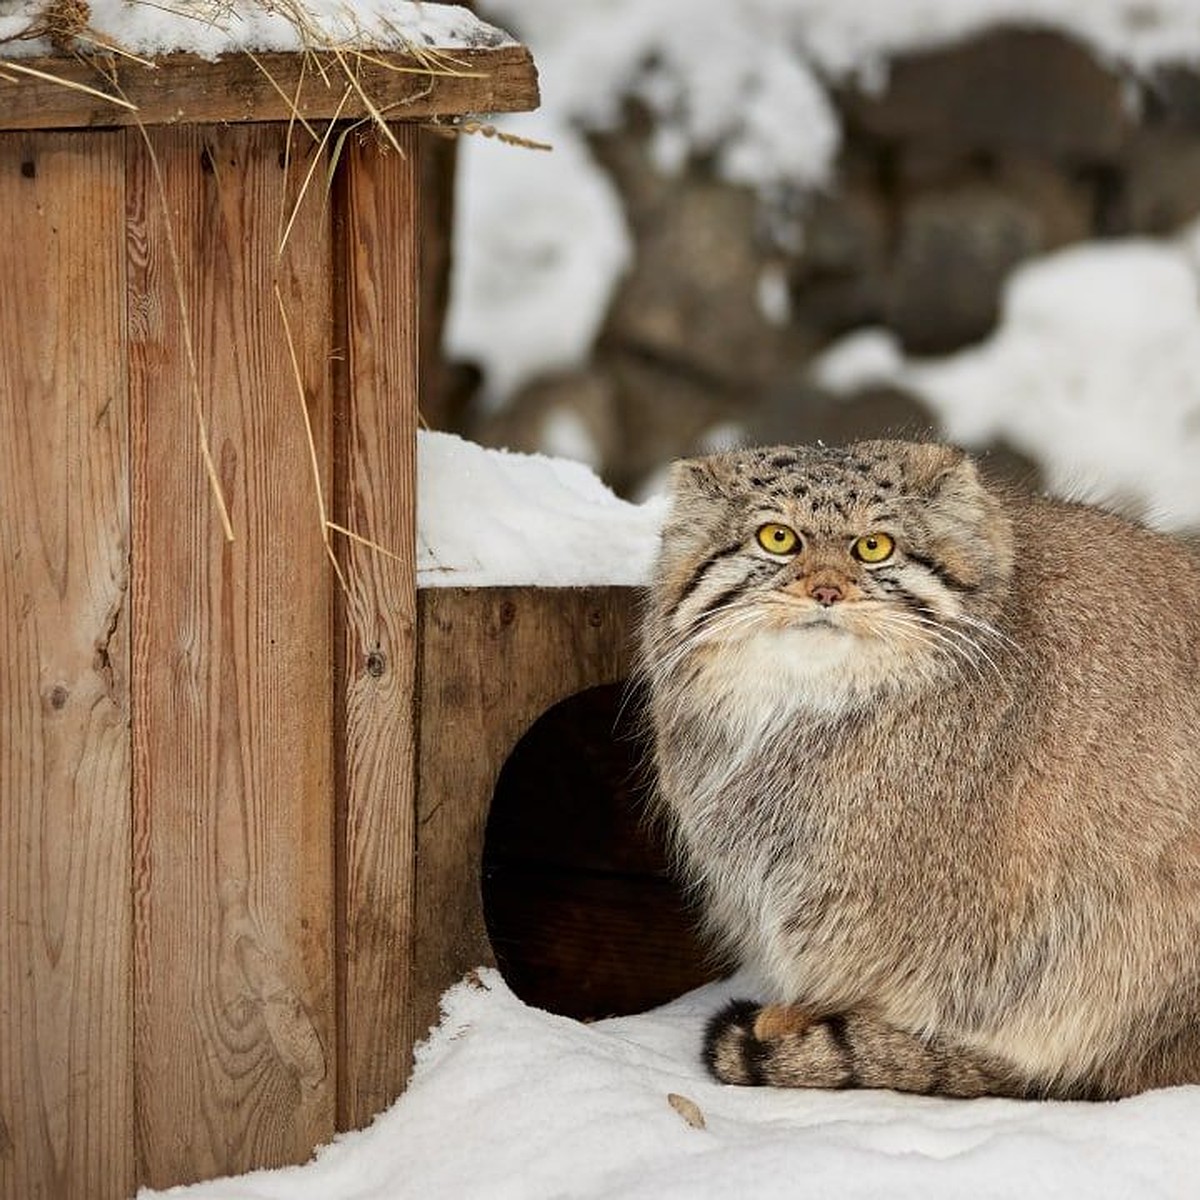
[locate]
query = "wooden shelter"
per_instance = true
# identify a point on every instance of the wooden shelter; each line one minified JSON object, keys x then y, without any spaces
{"x":210,"y":957}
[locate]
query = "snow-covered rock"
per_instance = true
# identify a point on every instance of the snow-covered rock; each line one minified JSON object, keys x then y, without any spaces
{"x":1094,"y":371}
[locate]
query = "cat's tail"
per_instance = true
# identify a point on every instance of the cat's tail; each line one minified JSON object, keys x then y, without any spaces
{"x":790,"y":1046}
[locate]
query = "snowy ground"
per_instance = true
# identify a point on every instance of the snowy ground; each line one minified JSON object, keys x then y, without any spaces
{"x":509,"y":1103}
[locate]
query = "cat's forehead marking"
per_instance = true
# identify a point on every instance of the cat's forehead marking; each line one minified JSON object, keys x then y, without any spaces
{"x":831,"y":482}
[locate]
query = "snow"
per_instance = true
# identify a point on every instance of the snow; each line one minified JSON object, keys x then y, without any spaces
{"x":510,"y":1103}
{"x":745,"y":84}
{"x":211,"y":28}
{"x":488,"y":518}
{"x":1091,"y":342}
{"x":539,"y":238}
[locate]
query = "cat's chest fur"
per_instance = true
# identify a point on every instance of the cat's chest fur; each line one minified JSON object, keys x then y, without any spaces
{"x":805,"y":824}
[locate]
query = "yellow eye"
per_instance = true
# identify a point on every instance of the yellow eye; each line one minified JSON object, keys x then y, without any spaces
{"x":873,"y":548}
{"x":779,"y":539}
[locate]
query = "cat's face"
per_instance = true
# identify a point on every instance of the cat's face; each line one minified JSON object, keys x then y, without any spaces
{"x":841,"y":568}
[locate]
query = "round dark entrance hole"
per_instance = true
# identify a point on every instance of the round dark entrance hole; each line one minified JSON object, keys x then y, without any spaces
{"x":581,"y":911}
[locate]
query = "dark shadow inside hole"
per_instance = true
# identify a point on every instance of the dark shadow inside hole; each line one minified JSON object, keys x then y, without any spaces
{"x":582,"y":913}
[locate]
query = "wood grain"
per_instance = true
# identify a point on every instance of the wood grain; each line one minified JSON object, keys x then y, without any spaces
{"x":376,"y":496}
{"x":181,"y":88}
{"x":490,"y":662}
{"x":232,"y":662}
{"x":66,"y":1112}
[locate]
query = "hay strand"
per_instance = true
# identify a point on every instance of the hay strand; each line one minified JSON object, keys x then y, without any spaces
{"x":312,"y":167}
{"x":364,"y":541}
{"x":318,"y":487}
{"x":453,"y":128}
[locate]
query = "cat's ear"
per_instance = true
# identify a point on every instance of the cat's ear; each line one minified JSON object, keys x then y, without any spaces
{"x":968,"y":518}
{"x":929,"y":467}
{"x":695,"y":479}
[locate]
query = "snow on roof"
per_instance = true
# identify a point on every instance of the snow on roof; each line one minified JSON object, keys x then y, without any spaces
{"x":213,"y":28}
{"x":1093,"y":371}
{"x":489,"y":518}
{"x":509,"y":1103}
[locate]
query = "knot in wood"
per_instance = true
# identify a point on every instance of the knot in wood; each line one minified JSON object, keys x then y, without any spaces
{"x":376,"y":664}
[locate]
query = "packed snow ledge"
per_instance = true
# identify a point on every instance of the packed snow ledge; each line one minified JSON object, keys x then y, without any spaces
{"x":488,"y":518}
{"x":509,"y":1103}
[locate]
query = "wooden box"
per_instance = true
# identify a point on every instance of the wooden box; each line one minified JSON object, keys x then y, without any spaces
{"x":533,"y":771}
{"x":209,"y":956}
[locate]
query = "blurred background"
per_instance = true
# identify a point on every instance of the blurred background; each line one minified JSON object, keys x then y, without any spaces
{"x":784,"y":220}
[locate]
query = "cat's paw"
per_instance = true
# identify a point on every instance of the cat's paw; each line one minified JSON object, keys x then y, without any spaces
{"x":784,"y":1045}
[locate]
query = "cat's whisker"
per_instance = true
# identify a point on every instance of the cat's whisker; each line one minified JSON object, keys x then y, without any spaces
{"x":704,"y":631}
{"x":970,"y":645}
{"x":997,"y":635}
{"x":935,"y":637}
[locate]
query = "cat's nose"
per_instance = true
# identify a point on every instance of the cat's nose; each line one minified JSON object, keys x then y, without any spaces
{"x":825,"y":594}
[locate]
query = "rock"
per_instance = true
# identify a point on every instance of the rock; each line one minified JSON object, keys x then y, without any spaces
{"x":692,"y":292}
{"x":1162,"y":181}
{"x":1172,"y":98}
{"x":839,"y":279}
{"x":954,"y":253}
{"x":1063,"y":203}
{"x":665,"y":413}
{"x":1030,"y":90}
{"x":572,"y":415}
{"x":845,"y":233}
{"x":803,"y":413}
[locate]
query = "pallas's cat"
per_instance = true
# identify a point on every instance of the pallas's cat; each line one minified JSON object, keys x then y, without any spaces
{"x":931,"y":757}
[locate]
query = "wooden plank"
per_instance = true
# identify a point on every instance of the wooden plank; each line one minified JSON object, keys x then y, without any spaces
{"x":376,"y":497}
{"x":490,"y":662}
{"x":185,"y":88}
{"x":66,"y":1111}
{"x":232,"y":662}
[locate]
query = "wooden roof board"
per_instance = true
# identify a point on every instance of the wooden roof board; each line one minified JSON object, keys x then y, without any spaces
{"x":240,"y":88}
